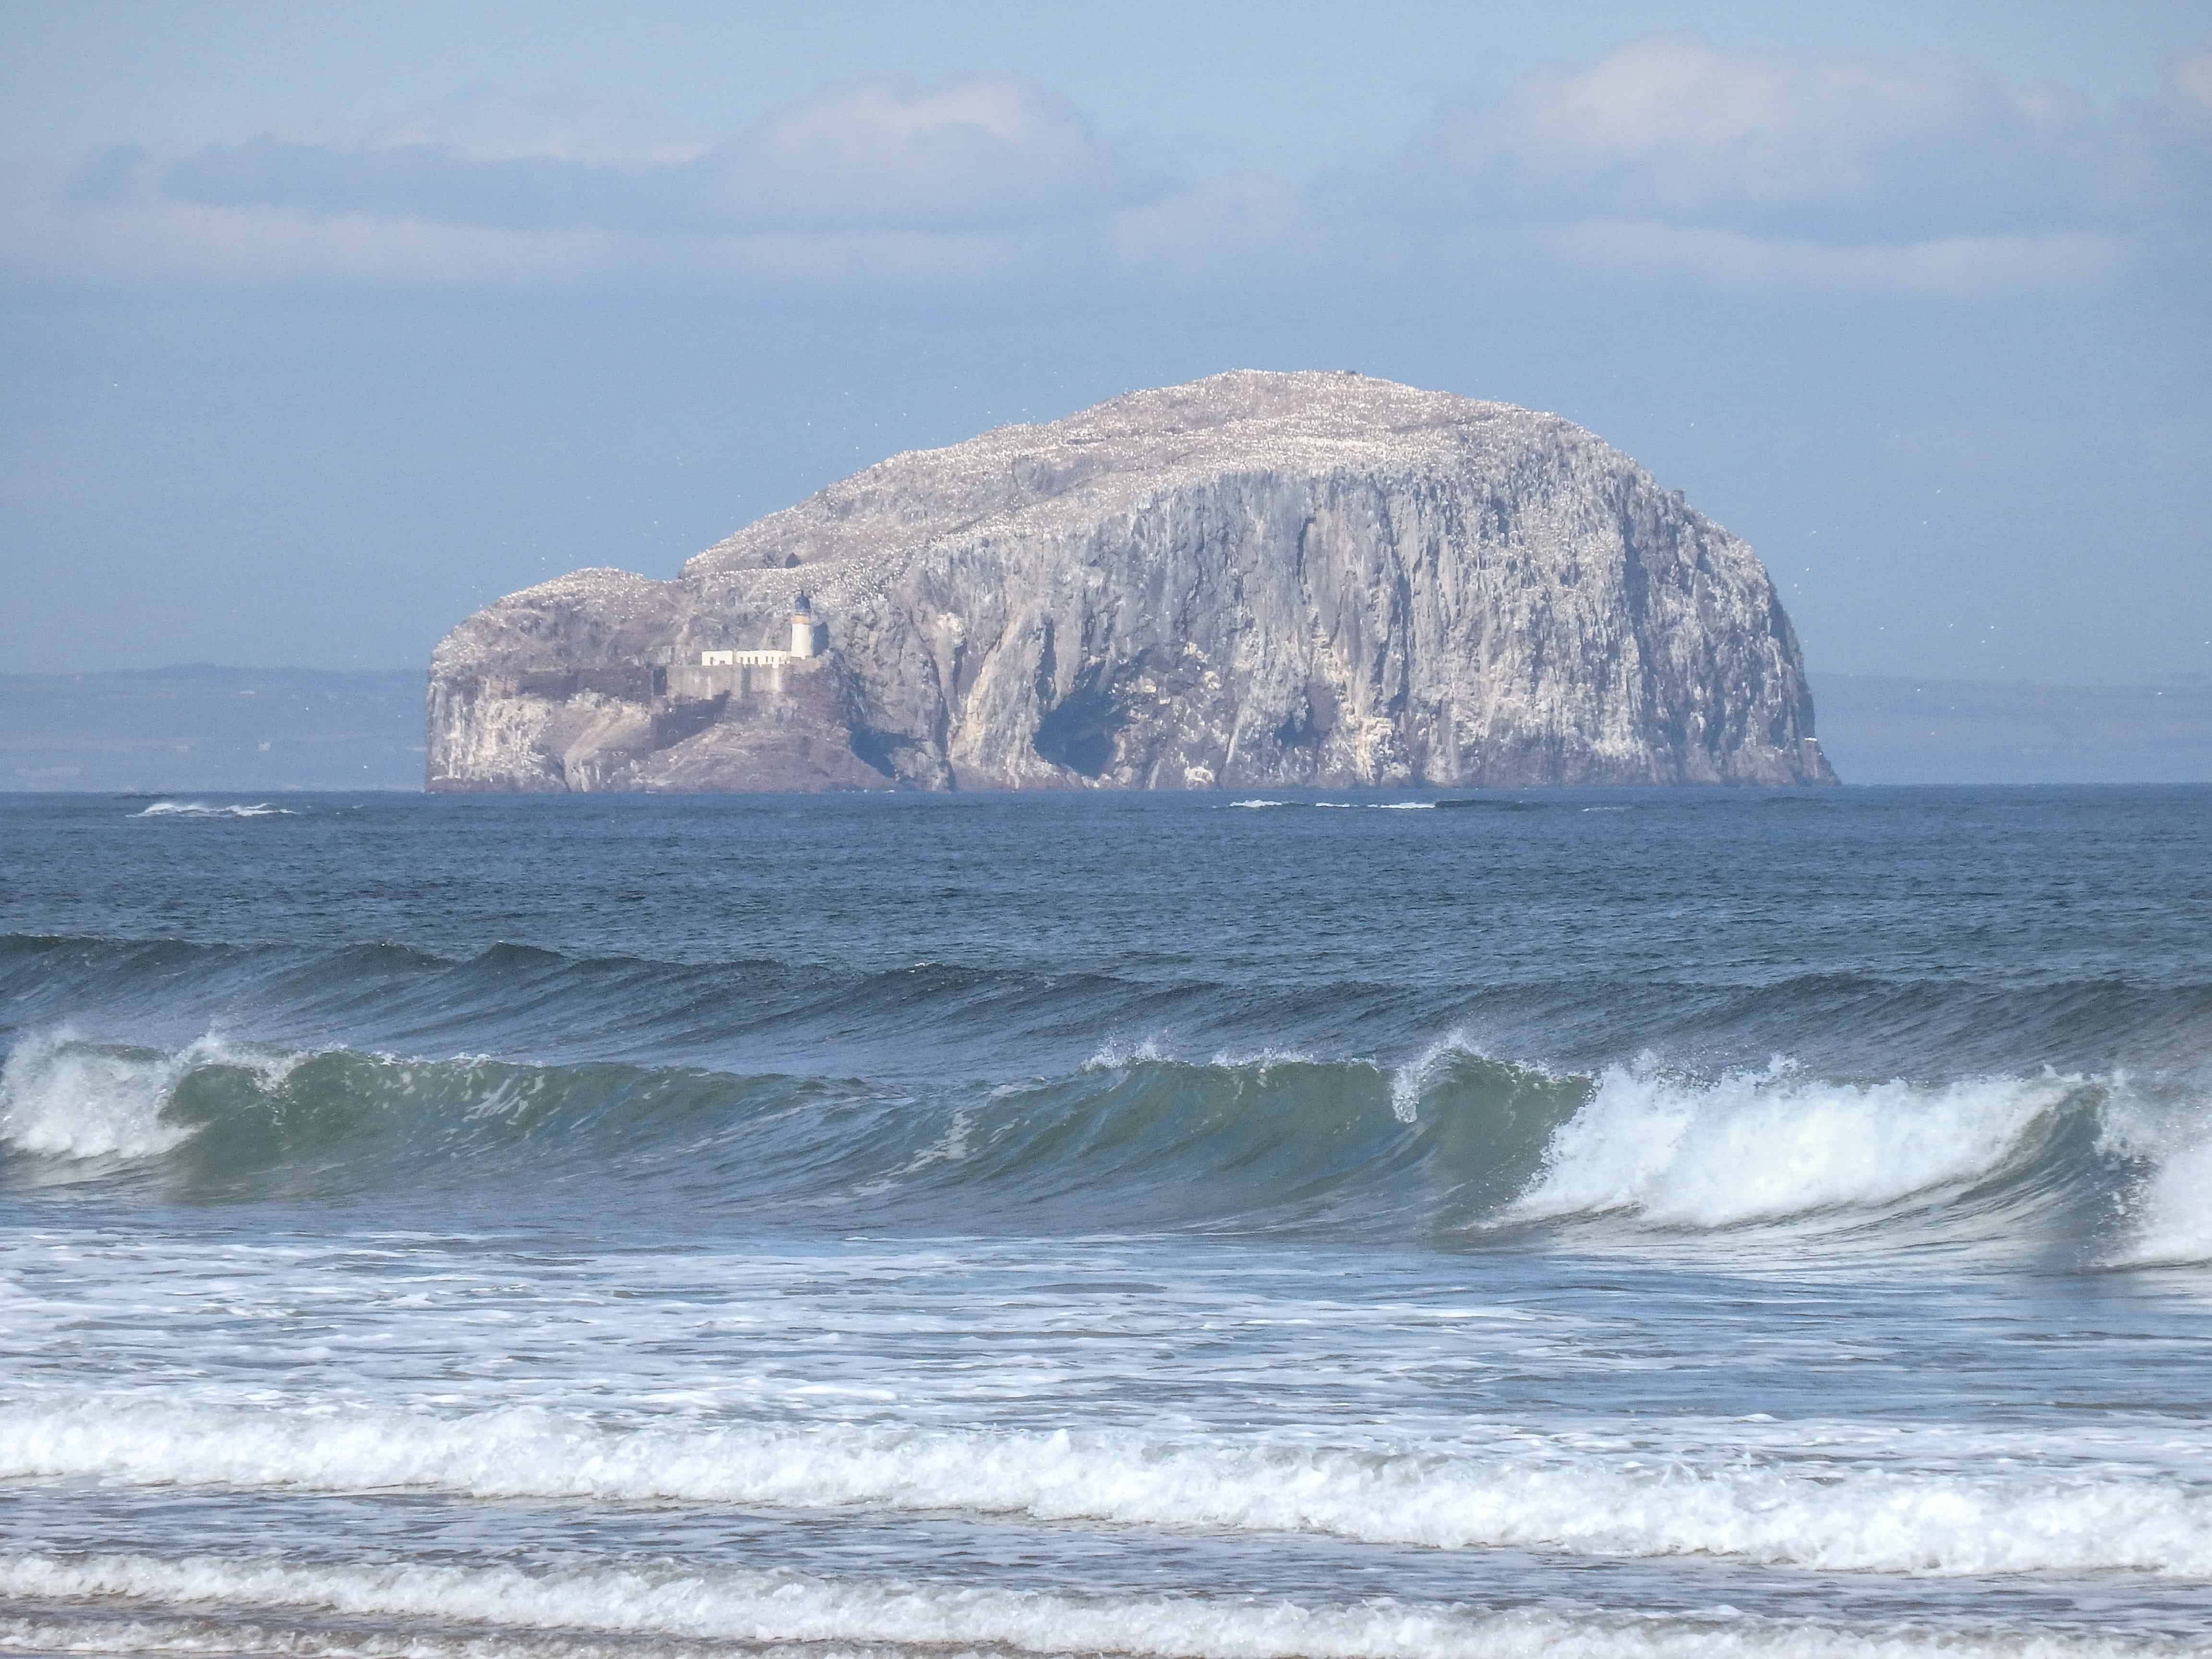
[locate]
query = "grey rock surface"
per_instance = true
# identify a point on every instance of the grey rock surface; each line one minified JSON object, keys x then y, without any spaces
{"x":1252,"y":580}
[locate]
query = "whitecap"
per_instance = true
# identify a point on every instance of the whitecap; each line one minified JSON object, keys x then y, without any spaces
{"x":1115,"y":1053}
{"x":2170,"y":1212}
{"x":200,"y":809}
{"x":67,"y":1099}
{"x":1762,"y":1146}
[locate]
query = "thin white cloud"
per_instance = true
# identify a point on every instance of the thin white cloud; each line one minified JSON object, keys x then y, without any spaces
{"x":1674,"y":128}
{"x":2192,"y":80}
{"x":1216,"y":231}
{"x":490,"y":124}
{"x":1674,"y":160}
{"x":163,"y":242}
{"x":1669,"y":160}
{"x":157,"y":242}
{"x":963,"y":154}
{"x":876,"y":155}
{"x":1680,"y":123}
{"x":1948,"y":265}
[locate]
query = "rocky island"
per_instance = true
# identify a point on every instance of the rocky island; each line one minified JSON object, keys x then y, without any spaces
{"x":1253,"y":580}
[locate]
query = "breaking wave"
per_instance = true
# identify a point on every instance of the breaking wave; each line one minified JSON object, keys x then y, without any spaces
{"x":1130,"y":1141}
{"x":1358,"y":806}
{"x":2170,"y":1210}
{"x":201,"y":809}
{"x":66,"y":1100}
{"x":1451,"y":1144}
{"x":1767,"y":1146}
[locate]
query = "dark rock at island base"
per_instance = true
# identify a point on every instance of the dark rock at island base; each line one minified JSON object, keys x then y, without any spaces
{"x":1253,"y":580}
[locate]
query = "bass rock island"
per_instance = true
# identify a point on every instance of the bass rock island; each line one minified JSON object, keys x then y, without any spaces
{"x":1253,"y":580}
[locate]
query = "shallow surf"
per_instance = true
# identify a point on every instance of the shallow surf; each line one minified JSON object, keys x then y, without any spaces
{"x":1108,"y":1224}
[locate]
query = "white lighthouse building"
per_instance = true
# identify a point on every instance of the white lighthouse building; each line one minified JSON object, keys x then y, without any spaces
{"x":809,"y":641}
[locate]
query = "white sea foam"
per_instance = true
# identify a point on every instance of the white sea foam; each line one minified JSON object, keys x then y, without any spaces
{"x":1261,"y":1061}
{"x":1346,"y":806}
{"x":1115,"y":1052}
{"x":1761,"y":1145}
{"x":201,"y":809}
{"x":1410,"y":1081}
{"x":2170,"y":1211}
{"x":755,"y":1607}
{"x":950,"y":1147}
{"x":2176,"y":1209}
{"x":62,"y":1097}
{"x":1996,"y":1516}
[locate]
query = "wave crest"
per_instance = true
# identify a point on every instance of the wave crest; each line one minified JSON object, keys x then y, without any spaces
{"x":74,"y":1102}
{"x":1452,"y":1144}
{"x":201,"y":809}
{"x":1772,"y":1144}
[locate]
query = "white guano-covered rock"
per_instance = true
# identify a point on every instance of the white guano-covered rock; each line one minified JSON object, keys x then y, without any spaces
{"x":1253,"y":579}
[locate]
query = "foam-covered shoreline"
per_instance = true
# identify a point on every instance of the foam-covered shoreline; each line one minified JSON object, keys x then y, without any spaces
{"x":1835,"y":1514}
{"x":778,"y":1611}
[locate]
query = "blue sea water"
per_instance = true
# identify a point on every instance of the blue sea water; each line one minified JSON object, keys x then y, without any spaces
{"x":1380,"y":1227}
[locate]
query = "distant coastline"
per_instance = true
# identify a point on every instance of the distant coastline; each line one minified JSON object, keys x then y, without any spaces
{"x":199,"y":726}
{"x":202,"y":727}
{"x":1888,"y":729}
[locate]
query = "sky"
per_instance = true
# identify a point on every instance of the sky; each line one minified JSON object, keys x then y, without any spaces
{"x":323,"y":323}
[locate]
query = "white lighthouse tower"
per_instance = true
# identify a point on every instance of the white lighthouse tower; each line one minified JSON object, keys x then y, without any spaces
{"x":802,"y":627}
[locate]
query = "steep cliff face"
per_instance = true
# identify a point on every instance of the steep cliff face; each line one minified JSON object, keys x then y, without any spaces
{"x":1254,"y":579}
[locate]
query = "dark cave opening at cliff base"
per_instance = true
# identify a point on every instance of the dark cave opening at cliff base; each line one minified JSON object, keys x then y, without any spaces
{"x":1079,"y":732}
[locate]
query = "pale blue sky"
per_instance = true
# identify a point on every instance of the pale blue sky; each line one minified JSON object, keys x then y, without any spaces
{"x":326,"y":323}
{"x":1277,"y":84}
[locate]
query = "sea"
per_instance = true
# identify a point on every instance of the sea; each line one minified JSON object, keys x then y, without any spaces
{"x":1215,"y":1225}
